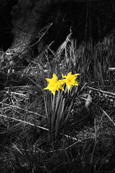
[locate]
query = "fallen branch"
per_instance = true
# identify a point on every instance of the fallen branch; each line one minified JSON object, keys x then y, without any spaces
{"x":40,"y":127}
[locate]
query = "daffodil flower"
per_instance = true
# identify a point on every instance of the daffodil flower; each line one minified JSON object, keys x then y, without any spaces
{"x":54,"y":84}
{"x":70,"y":80}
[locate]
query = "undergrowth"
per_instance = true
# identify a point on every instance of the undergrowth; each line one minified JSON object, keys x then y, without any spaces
{"x":86,"y":142}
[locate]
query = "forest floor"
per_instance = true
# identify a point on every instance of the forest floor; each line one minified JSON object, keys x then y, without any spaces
{"x":70,"y":132}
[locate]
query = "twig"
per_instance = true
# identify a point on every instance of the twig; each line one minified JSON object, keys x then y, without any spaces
{"x":17,"y":93}
{"x":40,"y":127}
{"x":105,"y":113}
{"x":12,"y":106}
{"x":92,"y":155}
{"x":99,"y":90}
{"x":24,"y":122}
{"x":112,"y":69}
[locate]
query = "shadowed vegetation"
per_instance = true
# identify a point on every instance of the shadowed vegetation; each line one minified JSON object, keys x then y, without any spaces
{"x":65,"y":131}
{"x":86,"y":142}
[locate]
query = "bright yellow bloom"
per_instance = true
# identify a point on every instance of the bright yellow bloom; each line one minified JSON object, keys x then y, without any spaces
{"x":70,"y":80}
{"x":54,"y":84}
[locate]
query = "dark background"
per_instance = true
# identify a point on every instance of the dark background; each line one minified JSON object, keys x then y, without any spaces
{"x":86,"y":19}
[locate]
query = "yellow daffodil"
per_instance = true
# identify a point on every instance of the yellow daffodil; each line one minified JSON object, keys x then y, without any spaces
{"x":70,"y":80}
{"x":54,"y":84}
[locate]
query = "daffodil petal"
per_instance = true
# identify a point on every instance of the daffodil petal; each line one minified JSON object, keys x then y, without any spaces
{"x":68,"y":87}
{"x":77,"y":74}
{"x":48,"y":80}
{"x":61,"y":82}
{"x":76,"y":83}
{"x":54,"y":76}
{"x":63,"y":76}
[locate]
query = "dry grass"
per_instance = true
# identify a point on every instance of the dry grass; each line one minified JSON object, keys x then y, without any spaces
{"x":87,"y":142}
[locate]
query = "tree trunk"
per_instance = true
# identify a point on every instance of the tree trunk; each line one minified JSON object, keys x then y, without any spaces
{"x":28,"y":17}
